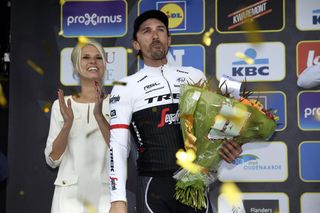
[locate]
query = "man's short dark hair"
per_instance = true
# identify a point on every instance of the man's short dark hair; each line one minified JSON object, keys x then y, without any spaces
{"x":157,"y":14}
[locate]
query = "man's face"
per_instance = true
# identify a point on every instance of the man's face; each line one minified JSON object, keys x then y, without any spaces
{"x":152,"y":40}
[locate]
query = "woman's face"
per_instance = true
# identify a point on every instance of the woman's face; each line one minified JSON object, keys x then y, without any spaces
{"x":91,"y":63}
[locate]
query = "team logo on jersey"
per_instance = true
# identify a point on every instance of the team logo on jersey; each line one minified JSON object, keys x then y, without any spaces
{"x":113,"y":113}
{"x":94,"y":18}
{"x":147,"y":87}
{"x":159,"y":98}
{"x":169,"y":118}
{"x":114,"y":99}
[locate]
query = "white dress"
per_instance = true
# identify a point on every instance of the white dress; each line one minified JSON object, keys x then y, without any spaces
{"x":82,"y":182}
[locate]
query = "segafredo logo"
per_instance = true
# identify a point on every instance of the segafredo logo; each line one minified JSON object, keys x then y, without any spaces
{"x":94,"y":18}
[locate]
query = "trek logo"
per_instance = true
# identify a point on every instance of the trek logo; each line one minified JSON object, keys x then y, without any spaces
{"x":241,"y":68}
{"x":309,"y":110}
{"x":97,"y":19}
{"x":174,"y":96}
{"x":308,"y":54}
{"x":114,"y":99}
{"x":316,"y":17}
{"x":111,"y":160}
{"x":169,"y":118}
{"x":150,"y":86}
{"x":264,"y":64}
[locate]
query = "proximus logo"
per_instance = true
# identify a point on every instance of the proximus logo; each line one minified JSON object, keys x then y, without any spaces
{"x":93,"y":19}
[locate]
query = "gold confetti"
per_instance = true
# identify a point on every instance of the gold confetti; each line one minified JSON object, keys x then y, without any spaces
{"x":185,"y":160}
{"x":251,"y":28}
{"x":206,"y":39}
{"x":231,"y":193}
{"x":47,"y":106}
{"x":242,"y":56}
{"x":21,"y":193}
{"x":83,"y":40}
{"x":119,"y":83}
{"x":129,"y":50}
{"x":3,"y":100}
{"x":35,"y":67}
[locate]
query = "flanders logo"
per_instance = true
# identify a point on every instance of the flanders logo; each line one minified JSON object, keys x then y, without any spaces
{"x":176,"y":15}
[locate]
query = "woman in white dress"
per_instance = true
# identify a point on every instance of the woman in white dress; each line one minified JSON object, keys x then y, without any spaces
{"x":78,"y":138}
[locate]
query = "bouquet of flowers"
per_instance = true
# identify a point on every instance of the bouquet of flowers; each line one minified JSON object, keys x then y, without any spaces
{"x":207,"y":119}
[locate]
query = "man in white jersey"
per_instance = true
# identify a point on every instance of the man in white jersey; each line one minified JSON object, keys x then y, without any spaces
{"x":148,"y":107}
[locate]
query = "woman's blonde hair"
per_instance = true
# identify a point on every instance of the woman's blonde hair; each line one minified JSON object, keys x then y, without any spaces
{"x":77,"y":51}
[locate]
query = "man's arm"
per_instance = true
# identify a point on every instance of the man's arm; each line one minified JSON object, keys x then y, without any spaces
{"x":120,"y":117}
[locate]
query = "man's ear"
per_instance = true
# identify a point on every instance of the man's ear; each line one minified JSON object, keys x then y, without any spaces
{"x":136,"y":45}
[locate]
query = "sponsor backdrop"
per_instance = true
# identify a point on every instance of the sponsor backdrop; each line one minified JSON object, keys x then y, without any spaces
{"x":282,"y":175}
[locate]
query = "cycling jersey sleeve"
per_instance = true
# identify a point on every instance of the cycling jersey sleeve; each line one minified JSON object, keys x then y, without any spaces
{"x":120,"y":114}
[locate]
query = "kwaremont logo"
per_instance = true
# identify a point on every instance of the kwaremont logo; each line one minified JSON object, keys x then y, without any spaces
{"x":93,"y":19}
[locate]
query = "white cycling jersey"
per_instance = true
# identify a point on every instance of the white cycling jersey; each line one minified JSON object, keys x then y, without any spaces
{"x":148,"y":107}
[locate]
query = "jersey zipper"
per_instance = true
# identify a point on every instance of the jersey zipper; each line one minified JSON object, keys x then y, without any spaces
{"x":171,"y":95}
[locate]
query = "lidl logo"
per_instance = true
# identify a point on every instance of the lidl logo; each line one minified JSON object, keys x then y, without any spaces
{"x":116,"y":58}
{"x":175,"y":13}
{"x":181,"y":14}
{"x":94,"y":18}
{"x":309,"y":159}
{"x":308,"y":14}
{"x":308,"y":54}
{"x":267,"y":61}
{"x":309,"y":110}
{"x":184,"y":55}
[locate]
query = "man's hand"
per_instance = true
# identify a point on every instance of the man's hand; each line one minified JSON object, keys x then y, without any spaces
{"x":230,"y":150}
{"x":118,"y":207}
